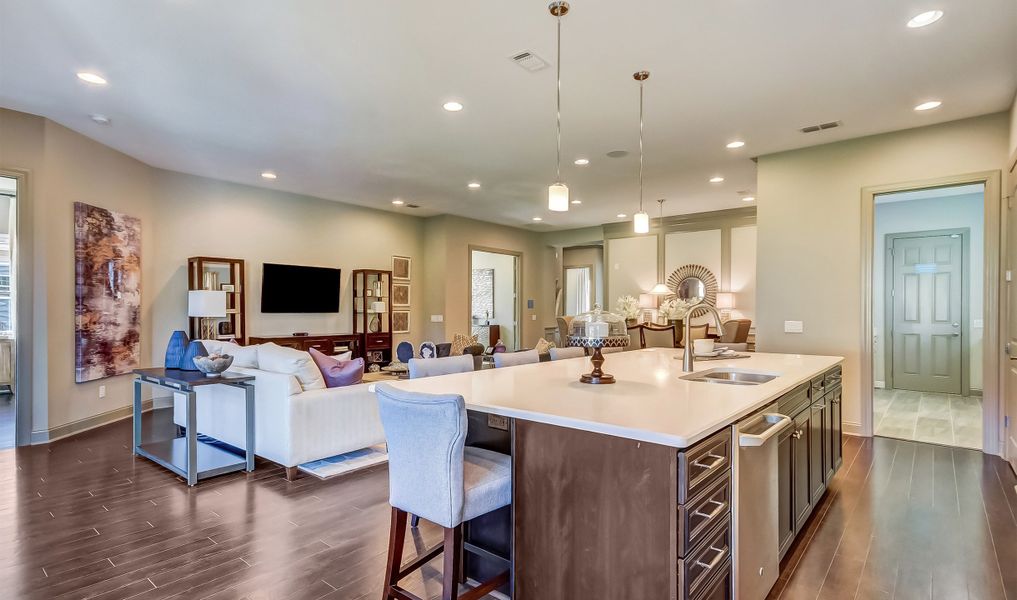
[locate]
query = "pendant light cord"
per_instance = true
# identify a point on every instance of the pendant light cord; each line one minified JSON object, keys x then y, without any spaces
{"x":640,"y":146}
{"x":558,"y":114}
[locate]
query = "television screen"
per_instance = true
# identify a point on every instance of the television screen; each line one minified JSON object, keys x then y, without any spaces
{"x":294,"y":289}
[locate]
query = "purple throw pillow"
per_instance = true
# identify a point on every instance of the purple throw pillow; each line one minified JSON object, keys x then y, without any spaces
{"x":338,"y":373}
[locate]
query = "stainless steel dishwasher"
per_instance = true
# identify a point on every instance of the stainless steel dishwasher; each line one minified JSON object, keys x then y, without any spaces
{"x":756,"y":503}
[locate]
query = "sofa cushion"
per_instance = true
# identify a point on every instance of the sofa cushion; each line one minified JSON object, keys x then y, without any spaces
{"x":338,"y":373}
{"x":279,"y":359}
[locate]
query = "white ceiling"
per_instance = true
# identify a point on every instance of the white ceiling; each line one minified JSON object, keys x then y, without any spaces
{"x":343,"y":99}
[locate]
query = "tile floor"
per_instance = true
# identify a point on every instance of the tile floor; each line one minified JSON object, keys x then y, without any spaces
{"x":924,"y":417}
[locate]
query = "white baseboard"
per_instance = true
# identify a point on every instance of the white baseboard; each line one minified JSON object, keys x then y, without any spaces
{"x":853,"y":429}
{"x":46,"y":436}
{"x":880,"y":385}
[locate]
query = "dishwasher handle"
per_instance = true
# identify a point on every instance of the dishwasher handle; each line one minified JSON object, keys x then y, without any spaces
{"x":777,"y":424}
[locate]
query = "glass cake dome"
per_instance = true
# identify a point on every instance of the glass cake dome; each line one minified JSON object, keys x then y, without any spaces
{"x":598,"y":324}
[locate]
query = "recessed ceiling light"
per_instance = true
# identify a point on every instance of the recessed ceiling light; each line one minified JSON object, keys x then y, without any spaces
{"x":537,"y":219}
{"x":717,"y":179}
{"x":931,"y":104}
{"x":398,"y":202}
{"x":473,"y":185}
{"x":621,"y":215}
{"x":268,"y":175}
{"x":582,"y":161}
{"x":577,"y":202}
{"x":735,"y":144}
{"x":452,"y":106}
{"x":91,"y":78}
{"x":926,"y":18}
{"x":100,"y":119}
{"x":748,"y":198}
{"x":618,"y":153}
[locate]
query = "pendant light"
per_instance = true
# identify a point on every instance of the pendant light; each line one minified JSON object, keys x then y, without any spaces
{"x":558,"y":194}
{"x":661,"y":289}
{"x":641,"y":220}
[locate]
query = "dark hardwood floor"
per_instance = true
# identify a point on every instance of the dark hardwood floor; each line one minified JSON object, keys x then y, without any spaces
{"x":82,"y":518}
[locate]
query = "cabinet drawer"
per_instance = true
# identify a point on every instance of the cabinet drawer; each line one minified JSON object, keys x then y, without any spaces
{"x":719,"y":587}
{"x":832,"y":377}
{"x":709,"y":558}
{"x":698,"y":465}
{"x":321,"y":345}
{"x":697,"y":518}
{"x":793,"y":401}
{"x":818,"y":387}
{"x":377,"y":341}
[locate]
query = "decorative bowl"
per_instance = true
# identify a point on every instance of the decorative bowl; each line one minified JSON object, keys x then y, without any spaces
{"x":213,"y":366}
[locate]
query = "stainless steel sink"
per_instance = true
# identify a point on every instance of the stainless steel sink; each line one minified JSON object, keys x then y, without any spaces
{"x":731,"y":377}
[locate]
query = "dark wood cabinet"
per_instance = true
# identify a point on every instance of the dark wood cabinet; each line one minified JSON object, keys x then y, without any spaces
{"x":835,"y":430}
{"x":372,"y":314}
{"x":329,"y":344}
{"x":785,"y":481}
{"x":819,"y":448}
{"x":801,"y":459}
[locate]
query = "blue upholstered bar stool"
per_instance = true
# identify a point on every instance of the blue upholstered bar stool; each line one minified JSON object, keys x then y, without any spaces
{"x":432,"y":474}
{"x":511,"y":359}
{"x":563,"y":353}
{"x":431,"y":367}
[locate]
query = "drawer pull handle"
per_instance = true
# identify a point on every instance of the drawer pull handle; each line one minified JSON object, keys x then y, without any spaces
{"x":797,"y":434}
{"x":717,"y":460}
{"x":819,"y":407}
{"x":721,"y":507}
{"x":716,"y":559}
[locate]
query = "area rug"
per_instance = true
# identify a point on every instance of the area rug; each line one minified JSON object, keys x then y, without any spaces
{"x":335,"y":466}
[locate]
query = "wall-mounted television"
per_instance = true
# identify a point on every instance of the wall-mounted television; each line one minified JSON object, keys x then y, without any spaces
{"x":296,"y":289}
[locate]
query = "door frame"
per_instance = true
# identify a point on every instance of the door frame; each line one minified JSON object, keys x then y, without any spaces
{"x":22,"y":259}
{"x":593,"y":283}
{"x":517,"y":329}
{"x":992,"y":353}
{"x":965,"y":235}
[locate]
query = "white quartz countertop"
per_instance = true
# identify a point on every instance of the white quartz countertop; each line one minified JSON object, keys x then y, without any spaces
{"x":649,"y":402}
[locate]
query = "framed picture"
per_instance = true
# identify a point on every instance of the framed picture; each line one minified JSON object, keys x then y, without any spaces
{"x":401,"y":267}
{"x":227,"y":287}
{"x":400,"y":321}
{"x":401,"y":294}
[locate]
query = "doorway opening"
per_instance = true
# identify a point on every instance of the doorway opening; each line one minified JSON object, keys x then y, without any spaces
{"x":8,"y":399}
{"x":494,"y":298}
{"x":583,"y":277}
{"x":928,"y":298}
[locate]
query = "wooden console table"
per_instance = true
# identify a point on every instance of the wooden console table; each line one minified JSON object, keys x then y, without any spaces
{"x":326,"y":343}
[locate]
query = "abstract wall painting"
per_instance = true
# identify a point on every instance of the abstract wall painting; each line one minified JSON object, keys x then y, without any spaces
{"x":107,"y":293}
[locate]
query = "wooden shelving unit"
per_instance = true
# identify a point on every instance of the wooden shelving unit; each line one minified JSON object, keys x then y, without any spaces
{"x":375,"y":327}
{"x":211,"y":273}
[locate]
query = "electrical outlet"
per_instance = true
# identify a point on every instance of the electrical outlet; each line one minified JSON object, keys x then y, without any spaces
{"x":794,"y":327}
{"x":437,"y":318}
{"x":533,"y":317}
{"x":102,"y":391}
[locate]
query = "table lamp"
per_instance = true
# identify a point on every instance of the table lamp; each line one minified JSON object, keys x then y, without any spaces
{"x":725,"y":302}
{"x":206,"y":305}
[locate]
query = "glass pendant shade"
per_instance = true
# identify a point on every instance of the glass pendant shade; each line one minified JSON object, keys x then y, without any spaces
{"x":558,"y":197}
{"x":641,"y":221}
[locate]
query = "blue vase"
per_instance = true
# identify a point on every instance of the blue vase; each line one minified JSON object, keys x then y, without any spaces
{"x":175,"y":350}
{"x":195,"y":348}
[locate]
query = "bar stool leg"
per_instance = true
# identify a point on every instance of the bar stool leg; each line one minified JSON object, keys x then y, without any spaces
{"x":396,"y":541}
{"x":453,"y":562}
{"x":415,"y":521}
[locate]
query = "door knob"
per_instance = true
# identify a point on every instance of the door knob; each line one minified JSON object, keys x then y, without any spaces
{"x":956,"y":324}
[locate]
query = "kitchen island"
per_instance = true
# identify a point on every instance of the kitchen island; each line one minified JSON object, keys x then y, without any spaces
{"x":624,"y":490}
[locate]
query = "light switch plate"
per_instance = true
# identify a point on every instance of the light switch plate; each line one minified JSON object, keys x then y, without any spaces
{"x":437,"y":318}
{"x":794,"y":327}
{"x":533,"y":317}
{"x":102,"y":391}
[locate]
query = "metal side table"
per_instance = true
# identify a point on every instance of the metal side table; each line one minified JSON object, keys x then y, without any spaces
{"x":187,"y":456}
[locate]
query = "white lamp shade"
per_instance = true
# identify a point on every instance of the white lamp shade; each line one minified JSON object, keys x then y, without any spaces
{"x":558,"y":197}
{"x":206,"y":303}
{"x":661,"y":290}
{"x":647,"y":301}
{"x":641,"y":222}
{"x":725,"y":300}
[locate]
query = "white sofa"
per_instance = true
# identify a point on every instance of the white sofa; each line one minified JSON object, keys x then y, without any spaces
{"x":291,"y":426}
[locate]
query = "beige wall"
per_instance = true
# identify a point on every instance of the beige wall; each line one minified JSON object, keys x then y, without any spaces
{"x":1013,"y":127}
{"x":205,"y":217}
{"x":448,"y":241}
{"x":809,"y":237}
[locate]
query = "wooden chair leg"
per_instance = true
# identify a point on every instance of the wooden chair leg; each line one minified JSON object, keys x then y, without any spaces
{"x":452,"y":560}
{"x":396,"y":541}
{"x":415,"y":521}
{"x":292,"y":473}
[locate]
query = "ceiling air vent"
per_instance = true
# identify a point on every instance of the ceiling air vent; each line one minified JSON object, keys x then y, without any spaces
{"x":412,"y":206}
{"x":529,"y":61}
{"x":820,"y":127}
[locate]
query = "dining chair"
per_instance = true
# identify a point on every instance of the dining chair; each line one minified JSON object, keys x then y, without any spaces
{"x":736,"y":331}
{"x":431,"y":367}
{"x":511,"y":359}
{"x":563,"y":353}
{"x":659,"y":336}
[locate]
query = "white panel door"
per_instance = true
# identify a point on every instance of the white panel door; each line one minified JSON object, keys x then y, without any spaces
{"x":1010,"y":407}
{"x":927,"y":297}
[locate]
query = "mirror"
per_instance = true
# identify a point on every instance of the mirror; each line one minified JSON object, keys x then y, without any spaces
{"x":691,"y":289}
